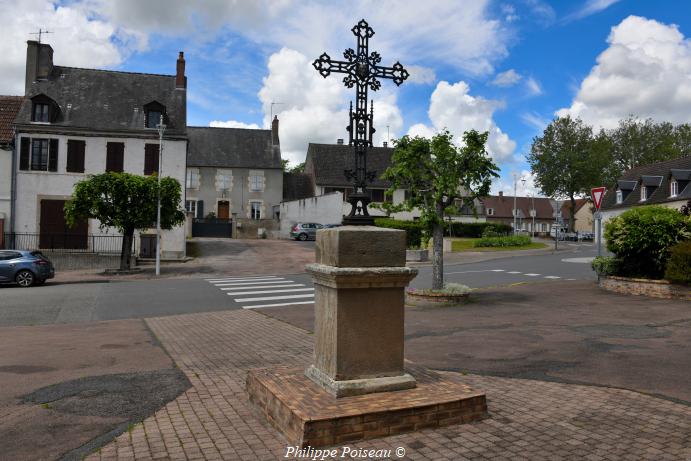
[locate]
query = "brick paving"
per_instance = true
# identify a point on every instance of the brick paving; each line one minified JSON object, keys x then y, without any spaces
{"x":529,"y":420}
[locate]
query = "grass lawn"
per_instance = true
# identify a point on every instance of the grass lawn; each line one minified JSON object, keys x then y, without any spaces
{"x":467,"y":245}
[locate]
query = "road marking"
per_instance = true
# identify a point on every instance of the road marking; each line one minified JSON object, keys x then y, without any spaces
{"x":257,"y":279}
{"x":277,"y":305}
{"x":263,"y":292}
{"x":274,"y":298}
{"x":292,"y":285}
{"x":532,"y":275}
{"x":496,"y":270}
{"x":570,"y":280}
{"x":578,"y":260}
{"x":217,"y":279}
{"x":552,"y":277}
{"x":513,"y":272}
{"x":468,"y":272}
{"x":249,"y":284}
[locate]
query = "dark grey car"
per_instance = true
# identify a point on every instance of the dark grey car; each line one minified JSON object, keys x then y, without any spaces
{"x":26,"y":268}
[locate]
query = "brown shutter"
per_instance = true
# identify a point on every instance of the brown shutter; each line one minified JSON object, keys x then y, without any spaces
{"x":75,"y":156}
{"x":150,"y":159}
{"x":53,"y":155}
{"x":24,"y":153}
{"x":115,"y":157}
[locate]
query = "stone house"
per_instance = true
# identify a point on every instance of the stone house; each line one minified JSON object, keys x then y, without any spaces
{"x":583,"y":217}
{"x":234,"y":174}
{"x":664,"y":183}
{"x":76,"y":122}
{"x":529,"y":210}
{"x":9,"y":106}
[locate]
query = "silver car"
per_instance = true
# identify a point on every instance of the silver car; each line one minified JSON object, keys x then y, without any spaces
{"x":305,"y":231}
{"x":26,"y":268}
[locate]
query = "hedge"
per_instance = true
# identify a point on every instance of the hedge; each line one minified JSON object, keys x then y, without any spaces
{"x":413,"y":229}
{"x":508,"y":241}
{"x":474,"y":230}
{"x":679,"y":263}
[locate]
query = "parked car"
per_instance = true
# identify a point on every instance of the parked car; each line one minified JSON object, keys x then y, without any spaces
{"x":305,"y":231}
{"x":330,"y":226}
{"x":26,"y":268}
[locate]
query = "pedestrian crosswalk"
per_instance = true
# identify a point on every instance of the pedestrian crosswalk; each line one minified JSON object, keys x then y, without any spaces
{"x":253,"y":292}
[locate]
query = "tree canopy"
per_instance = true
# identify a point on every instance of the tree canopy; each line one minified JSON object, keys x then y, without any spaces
{"x":126,"y":202}
{"x":436,"y":172}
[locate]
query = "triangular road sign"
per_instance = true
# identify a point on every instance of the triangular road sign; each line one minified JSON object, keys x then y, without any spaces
{"x":597,"y":193}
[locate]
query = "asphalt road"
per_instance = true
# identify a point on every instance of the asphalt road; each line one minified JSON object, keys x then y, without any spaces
{"x":88,"y":302}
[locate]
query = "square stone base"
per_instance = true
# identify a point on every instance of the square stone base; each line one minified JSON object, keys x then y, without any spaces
{"x":310,"y":416}
{"x":360,"y":386}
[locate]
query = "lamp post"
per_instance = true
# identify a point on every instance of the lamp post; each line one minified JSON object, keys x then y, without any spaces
{"x":161,"y":128}
{"x":515,"y":185}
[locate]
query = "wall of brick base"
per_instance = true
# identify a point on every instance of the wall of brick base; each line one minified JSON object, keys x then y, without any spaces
{"x":645,"y":287}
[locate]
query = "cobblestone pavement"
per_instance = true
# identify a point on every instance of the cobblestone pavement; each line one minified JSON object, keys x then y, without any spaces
{"x":529,"y":420}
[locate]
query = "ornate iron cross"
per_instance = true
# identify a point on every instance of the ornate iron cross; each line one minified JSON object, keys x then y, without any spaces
{"x":362,"y":70}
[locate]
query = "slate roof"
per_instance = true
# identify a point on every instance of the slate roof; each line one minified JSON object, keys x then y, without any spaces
{"x":327,"y":162}
{"x":108,"y":100}
{"x":297,"y":186}
{"x":503,"y":206}
{"x":231,"y":148}
{"x":680,"y":167}
{"x":9,"y":107}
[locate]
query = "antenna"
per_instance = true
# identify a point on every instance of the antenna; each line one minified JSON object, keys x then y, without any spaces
{"x":271,"y":117}
{"x":40,"y":33}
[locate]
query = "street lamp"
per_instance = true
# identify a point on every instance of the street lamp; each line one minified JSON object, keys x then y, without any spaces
{"x":161,"y":128}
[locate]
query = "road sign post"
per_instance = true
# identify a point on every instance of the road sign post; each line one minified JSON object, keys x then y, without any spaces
{"x":597,"y":193}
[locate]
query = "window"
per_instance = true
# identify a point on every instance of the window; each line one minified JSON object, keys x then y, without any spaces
{"x":644,"y":193}
{"x":255,"y":210}
{"x":38,"y":154}
{"x":115,"y":157}
{"x":377,"y":195}
{"x":192,"y":181}
{"x":41,"y":112}
{"x":673,"y":188}
{"x":150,"y":159}
{"x":256,"y":181}
{"x":191,"y":207}
{"x":154,"y":113}
{"x":75,"y":156}
{"x":490,"y":211}
{"x":620,"y":196}
{"x":224,"y":180}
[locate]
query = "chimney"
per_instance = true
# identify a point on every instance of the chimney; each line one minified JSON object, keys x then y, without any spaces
{"x":180,"y":79}
{"x":501,"y":193}
{"x":386,"y":144}
{"x":339,"y":141}
{"x":274,"y":131}
{"x":39,"y":63}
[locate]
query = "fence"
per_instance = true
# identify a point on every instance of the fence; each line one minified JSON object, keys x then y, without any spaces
{"x":64,"y":243}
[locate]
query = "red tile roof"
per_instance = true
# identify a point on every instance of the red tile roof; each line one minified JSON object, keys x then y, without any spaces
{"x":9,"y":107}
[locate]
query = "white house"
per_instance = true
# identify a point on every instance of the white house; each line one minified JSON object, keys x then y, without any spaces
{"x":76,"y":122}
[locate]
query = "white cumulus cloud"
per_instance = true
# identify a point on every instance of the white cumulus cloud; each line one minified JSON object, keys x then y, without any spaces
{"x":506,"y":79}
{"x":233,"y":124}
{"x":645,"y":71}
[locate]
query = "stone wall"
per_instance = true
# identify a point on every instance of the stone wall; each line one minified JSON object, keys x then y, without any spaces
{"x":254,"y":228}
{"x":322,"y":209}
{"x":74,"y":261}
{"x":645,"y":287}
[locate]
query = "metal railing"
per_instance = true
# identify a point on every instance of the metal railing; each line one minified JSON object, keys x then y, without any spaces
{"x":63,"y":243}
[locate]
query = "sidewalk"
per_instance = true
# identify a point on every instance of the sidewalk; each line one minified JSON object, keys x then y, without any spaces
{"x":529,"y":420}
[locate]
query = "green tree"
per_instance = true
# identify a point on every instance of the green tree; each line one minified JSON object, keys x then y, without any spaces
{"x":568,"y":160}
{"x":437,"y":172}
{"x":126,"y":202}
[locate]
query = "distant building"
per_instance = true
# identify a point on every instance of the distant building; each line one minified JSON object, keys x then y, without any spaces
{"x":75,"y":122}
{"x":235,"y":173}
{"x":9,"y":107}
{"x":500,"y":209}
{"x":664,"y":183}
{"x":583,"y":215}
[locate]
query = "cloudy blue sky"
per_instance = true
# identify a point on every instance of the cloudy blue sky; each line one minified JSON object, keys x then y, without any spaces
{"x":507,"y":66}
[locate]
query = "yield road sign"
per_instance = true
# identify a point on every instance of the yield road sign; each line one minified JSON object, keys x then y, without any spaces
{"x":597,"y":193}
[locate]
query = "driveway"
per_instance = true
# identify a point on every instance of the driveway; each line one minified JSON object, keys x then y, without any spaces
{"x":557,"y":331}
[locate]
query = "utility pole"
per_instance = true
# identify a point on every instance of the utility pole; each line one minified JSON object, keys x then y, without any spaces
{"x":161,"y":128}
{"x":515,"y":186}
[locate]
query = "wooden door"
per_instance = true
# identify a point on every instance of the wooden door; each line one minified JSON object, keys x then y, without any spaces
{"x":54,"y":231}
{"x":223,"y":209}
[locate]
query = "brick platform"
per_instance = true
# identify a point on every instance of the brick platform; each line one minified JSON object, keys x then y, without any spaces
{"x":309,"y":416}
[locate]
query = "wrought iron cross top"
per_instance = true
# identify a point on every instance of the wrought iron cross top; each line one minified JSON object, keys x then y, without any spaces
{"x":363,"y":71}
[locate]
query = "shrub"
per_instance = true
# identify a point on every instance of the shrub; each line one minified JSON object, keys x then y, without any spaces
{"x":642,"y":236}
{"x":475,"y":230}
{"x":679,"y":263}
{"x":606,"y":265}
{"x":413,"y":230}
{"x":507,"y":241}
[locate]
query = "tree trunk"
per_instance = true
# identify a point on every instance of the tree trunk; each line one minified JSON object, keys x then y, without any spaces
{"x":126,"y":252}
{"x":572,"y":215}
{"x":438,"y":251}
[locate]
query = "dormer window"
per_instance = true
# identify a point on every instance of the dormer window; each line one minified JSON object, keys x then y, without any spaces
{"x":154,"y":114}
{"x":620,"y":196}
{"x":41,"y":112}
{"x":673,"y":188}
{"x":490,"y":211}
{"x":644,"y":193}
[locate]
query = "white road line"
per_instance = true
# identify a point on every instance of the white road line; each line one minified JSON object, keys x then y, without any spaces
{"x":277,"y":305}
{"x":220,"y":279}
{"x":264,"y":292}
{"x":513,"y":272}
{"x":571,"y":279}
{"x":257,"y":279}
{"x":249,"y":284}
{"x":467,"y":272}
{"x":532,"y":275}
{"x":497,"y":270}
{"x":272,"y":298}
{"x":552,"y":277}
{"x":293,"y":285}
{"x":240,"y":277}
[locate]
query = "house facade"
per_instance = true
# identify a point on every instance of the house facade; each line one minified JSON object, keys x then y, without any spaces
{"x":583,"y":217}
{"x":9,"y":107}
{"x":534,"y":215}
{"x":235,"y":174}
{"x":77,"y":122}
{"x":664,"y":183}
